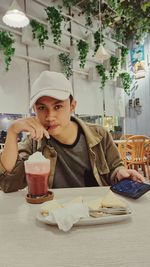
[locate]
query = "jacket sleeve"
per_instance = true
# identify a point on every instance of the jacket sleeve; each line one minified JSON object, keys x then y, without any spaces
{"x":15,"y":180}
{"x":112,"y":156}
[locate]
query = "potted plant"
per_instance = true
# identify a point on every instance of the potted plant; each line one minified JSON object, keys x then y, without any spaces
{"x":102,"y":73}
{"x":55,"y":19}
{"x":114,"y":65}
{"x":39,"y":32}
{"x":83,"y":49}
{"x":66,"y":61}
{"x":6,"y":47}
{"x":126,"y":81}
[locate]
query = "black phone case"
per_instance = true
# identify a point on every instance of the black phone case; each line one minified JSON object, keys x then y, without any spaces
{"x":130,"y":188}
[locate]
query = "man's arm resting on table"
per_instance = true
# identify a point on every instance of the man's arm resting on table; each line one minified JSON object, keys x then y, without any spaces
{"x":119,"y":171}
{"x":14,"y":180}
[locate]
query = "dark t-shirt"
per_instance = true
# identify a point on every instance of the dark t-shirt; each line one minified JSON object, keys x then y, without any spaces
{"x":73,"y":167}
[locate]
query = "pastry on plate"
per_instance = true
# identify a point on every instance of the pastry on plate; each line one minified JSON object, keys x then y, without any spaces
{"x":110,"y":200}
{"x":49,"y":206}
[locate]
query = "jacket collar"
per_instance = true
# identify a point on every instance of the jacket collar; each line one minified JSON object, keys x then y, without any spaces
{"x":93,"y":138}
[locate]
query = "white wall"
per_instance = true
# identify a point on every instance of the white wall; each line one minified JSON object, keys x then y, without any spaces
{"x":15,"y":85}
{"x":134,"y":122}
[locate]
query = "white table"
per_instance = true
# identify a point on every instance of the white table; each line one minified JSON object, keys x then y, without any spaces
{"x":25,"y":242}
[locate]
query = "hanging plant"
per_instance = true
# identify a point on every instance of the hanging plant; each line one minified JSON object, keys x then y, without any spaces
{"x":102,"y":73}
{"x":55,"y":19}
{"x":124,"y":53}
{"x":39,"y":32}
{"x":88,"y":12}
{"x":83,"y":49}
{"x":145,"y":5}
{"x":113,"y":3}
{"x":6,"y":42}
{"x":90,"y":8}
{"x":69,"y":3}
{"x":120,"y":33}
{"x":126,"y":81}
{"x":135,"y":22}
{"x":66,"y":61}
{"x":114,"y":65}
{"x":98,"y":39}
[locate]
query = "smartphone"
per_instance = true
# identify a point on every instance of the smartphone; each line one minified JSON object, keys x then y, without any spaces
{"x":130,"y":188}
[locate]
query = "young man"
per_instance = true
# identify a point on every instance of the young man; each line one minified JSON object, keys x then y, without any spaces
{"x":81,"y":154}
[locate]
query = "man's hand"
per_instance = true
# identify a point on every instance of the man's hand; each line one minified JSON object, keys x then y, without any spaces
{"x":30,"y":125}
{"x":130,"y":173}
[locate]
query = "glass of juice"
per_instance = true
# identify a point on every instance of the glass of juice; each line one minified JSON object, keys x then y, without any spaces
{"x":37,"y":174}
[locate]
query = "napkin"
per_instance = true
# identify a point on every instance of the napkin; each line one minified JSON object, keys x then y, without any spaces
{"x":68,"y":215}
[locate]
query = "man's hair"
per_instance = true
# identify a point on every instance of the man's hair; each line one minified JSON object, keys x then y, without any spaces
{"x":71,"y":98}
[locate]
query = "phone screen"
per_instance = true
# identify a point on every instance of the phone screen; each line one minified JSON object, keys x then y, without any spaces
{"x":130,"y":188}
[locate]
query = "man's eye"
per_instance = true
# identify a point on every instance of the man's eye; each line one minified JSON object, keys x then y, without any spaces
{"x":58,"y":107}
{"x":41,"y":108}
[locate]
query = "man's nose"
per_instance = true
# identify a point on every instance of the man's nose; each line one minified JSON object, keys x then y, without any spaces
{"x":50,"y":115}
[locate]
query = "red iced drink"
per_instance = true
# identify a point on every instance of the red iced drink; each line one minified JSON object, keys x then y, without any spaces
{"x":37,"y":174}
{"x":37,"y":184}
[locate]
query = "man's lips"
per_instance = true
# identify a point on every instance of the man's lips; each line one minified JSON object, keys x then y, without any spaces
{"x":51,"y":127}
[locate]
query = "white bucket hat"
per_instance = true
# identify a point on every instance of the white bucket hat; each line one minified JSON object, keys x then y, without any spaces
{"x":50,"y":83}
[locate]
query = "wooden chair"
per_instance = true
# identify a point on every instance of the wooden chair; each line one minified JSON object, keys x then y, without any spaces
{"x":136,"y":152}
{"x":125,"y":136}
{"x":122,"y":150}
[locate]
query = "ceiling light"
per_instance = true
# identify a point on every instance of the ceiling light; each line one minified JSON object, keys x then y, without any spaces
{"x":101,"y":54}
{"x":15,"y":17}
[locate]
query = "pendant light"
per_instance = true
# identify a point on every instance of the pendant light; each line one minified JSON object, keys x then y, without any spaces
{"x":15,"y":17}
{"x":101,"y":53}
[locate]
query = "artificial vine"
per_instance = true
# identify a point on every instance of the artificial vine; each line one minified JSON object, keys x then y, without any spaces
{"x":55,"y":19}
{"x":102,"y":73}
{"x":126,"y":81}
{"x":69,"y":3}
{"x":67,"y":64}
{"x":133,"y":22}
{"x":90,"y":8}
{"x":83,"y":49}
{"x":98,"y":39}
{"x":124,"y":53}
{"x":114,"y":65}
{"x":127,"y":18}
{"x":113,"y":4}
{"x":6,"y":42}
{"x":39,"y":32}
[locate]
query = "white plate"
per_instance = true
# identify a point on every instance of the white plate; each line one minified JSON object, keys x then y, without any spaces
{"x":89,"y":220}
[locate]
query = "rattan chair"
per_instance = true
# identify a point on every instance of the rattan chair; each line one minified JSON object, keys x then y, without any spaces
{"x":122,"y":150}
{"x":125,"y":136}
{"x":137,"y":150}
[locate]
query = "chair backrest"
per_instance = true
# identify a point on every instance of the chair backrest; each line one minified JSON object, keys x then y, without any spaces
{"x":137,"y":147}
{"x":122,"y":151}
{"x":125,"y":136}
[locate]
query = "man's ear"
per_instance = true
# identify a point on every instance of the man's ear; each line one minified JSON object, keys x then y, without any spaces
{"x":73,"y":105}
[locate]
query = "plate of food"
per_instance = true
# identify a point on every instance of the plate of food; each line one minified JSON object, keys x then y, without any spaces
{"x":84,"y":211}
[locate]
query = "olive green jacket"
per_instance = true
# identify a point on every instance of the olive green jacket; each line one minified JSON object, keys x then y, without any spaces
{"x":103,"y":153}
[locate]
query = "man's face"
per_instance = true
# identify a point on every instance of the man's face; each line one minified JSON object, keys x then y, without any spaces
{"x":54,"y":114}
